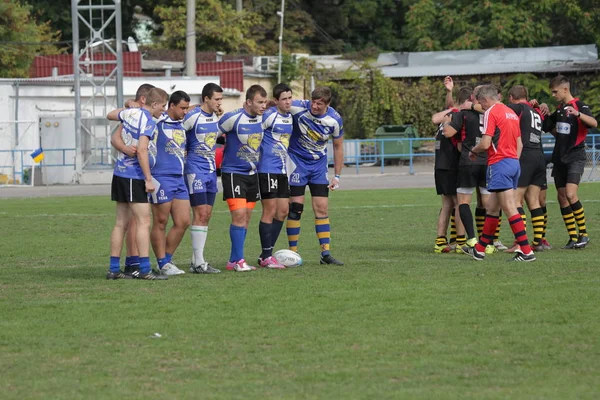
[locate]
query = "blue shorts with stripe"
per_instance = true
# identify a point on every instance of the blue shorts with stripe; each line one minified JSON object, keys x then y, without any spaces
{"x":503,"y":175}
{"x":168,"y":188}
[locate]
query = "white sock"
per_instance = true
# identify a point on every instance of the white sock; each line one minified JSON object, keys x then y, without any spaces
{"x":198,"y":234}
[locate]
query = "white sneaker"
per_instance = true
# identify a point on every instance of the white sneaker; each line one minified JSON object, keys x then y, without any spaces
{"x":498,"y":244}
{"x":171,"y":269}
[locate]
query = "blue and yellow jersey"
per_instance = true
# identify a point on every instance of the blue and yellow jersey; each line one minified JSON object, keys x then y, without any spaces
{"x":277,"y":129}
{"x":136,"y":122}
{"x":243,"y":135}
{"x":311,"y":132}
{"x":201,"y":130}
{"x":170,"y":147}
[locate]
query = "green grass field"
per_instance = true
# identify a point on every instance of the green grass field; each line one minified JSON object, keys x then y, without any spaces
{"x":396,"y":322}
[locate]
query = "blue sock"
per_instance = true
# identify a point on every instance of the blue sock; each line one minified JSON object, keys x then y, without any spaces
{"x":115,"y":264}
{"x":144,"y":265}
{"x":161,"y":262}
{"x":237,"y":235}
{"x":168,"y":256}
{"x":132,"y":260}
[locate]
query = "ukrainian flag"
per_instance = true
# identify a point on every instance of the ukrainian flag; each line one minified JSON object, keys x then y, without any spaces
{"x":38,"y":155}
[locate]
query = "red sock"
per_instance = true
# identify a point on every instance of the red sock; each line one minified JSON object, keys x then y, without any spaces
{"x":489,"y":230}
{"x":518,"y":228}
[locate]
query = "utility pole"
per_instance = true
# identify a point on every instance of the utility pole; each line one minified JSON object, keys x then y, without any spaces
{"x":238,"y":5}
{"x":281,"y":14}
{"x":190,"y":39}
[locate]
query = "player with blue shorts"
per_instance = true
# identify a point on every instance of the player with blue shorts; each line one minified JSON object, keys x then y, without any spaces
{"x":171,"y":196}
{"x":314,"y":123}
{"x":272,"y":173}
{"x":132,"y":182}
{"x":502,"y":141}
{"x":201,"y":129}
{"x":243,"y":135}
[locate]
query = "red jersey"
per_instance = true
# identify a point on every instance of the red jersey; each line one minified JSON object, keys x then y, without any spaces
{"x":504,"y":141}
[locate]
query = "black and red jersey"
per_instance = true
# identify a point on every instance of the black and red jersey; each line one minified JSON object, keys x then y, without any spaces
{"x":530,"y":121}
{"x":446,"y":150}
{"x":570,"y":132}
{"x":469,"y":127}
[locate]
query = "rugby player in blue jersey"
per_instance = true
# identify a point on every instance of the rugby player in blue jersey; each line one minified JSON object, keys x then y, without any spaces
{"x":132,"y":182}
{"x":132,"y":261}
{"x":314,"y":123}
{"x":272,"y":173}
{"x":243,"y":133}
{"x":171,"y":196}
{"x":201,"y":171}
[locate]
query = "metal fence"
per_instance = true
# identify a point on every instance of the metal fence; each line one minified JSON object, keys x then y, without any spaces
{"x":410,"y":151}
{"x":359,"y":154}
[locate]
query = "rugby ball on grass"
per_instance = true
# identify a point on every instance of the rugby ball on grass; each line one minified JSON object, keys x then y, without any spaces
{"x":288,"y":258}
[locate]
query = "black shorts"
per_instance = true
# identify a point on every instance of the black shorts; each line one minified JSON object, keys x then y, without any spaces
{"x":445,"y":181}
{"x":472,"y":176}
{"x":533,"y":169}
{"x":126,"y":190}
{"x":568,"y":173}
{"x":273,"y":186}
{"x":239,"y":186}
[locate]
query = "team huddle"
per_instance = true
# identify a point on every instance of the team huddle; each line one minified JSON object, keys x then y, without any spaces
{"x":168,"y":159}
{"x":495,"y":150}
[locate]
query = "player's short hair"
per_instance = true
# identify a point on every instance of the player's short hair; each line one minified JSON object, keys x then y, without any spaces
{"x":210,"y":89}
{"x":464,"y":94}
{"x":142,"y":91}
{"x":156,"y":95}
{"x":280,"y":88}
{"x":178,"y":96}
{"x":518,"y":92}
{"x":487,"y":92}
{"x":322,"y":93}
{"x":558,"y":81}
{"x":254,"y":90}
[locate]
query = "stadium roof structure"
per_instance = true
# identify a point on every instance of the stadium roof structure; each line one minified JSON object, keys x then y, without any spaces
{"x":553,"y":59}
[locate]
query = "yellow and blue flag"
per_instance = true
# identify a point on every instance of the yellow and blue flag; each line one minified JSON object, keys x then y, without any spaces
{"x":38,"y":155}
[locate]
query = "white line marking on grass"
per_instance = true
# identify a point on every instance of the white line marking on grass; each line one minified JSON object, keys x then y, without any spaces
{"x":53,"y":215}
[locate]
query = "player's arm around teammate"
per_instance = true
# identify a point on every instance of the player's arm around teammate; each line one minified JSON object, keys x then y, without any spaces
{"x":170,"y":197}
{"x":201,"y":126}
{"x":244,"y":132}
{"x":132,"y":182}
{"x":272,"y":173}
{"x":132,"y":261}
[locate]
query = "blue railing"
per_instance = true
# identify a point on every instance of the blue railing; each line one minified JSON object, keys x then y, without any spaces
{"x":357,"y":152}
{"x":361,"y":152}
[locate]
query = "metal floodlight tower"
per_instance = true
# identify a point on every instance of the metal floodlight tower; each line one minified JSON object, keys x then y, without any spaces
{"x":92,"y":131}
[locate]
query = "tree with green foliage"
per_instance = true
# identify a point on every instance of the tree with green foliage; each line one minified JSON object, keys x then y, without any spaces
{"x":22,"y":38}
{"x":218,"y":27}
{"x":298,"y":27}
{"x":462,"y":25}
{"x":367,"y":99}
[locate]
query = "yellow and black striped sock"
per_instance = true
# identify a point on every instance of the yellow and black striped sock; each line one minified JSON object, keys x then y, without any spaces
{"x":579,"y":215}
{"x":461,"y":240}
{"x":452,"y":228}
{"x":537,"y":220}
{"x":545,"y":210}
{"x":441,"y":241}
{"x":479,"y":220}
{"x":523,"y":216}
{"x":567,"y":214}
